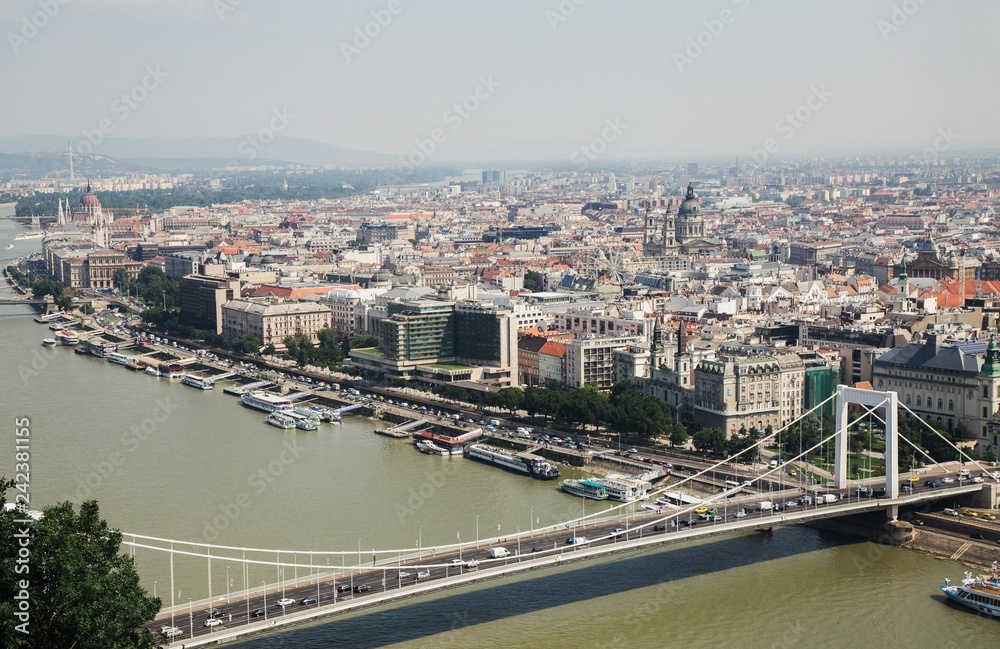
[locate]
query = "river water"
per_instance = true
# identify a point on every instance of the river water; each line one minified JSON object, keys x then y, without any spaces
{"x":171,"y":461}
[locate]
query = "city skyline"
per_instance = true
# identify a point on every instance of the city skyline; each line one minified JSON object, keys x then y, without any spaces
{"x":566,"y":81}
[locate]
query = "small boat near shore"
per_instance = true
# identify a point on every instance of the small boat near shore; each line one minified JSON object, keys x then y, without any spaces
{"x":280,"y":420}
{"x":152,"y":371}
{"x":49,"y":342}
{"x":81,"y":349}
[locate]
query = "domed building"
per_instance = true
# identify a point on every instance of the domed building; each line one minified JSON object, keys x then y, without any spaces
{"x":690,"y":223}
{"x":89,"y":203}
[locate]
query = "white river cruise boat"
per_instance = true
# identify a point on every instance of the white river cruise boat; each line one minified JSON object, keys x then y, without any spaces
{"x":265,"y":401}
{"x":980,"y":593}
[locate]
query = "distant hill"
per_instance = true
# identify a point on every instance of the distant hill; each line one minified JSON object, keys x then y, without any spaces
{"x":234,"y":150}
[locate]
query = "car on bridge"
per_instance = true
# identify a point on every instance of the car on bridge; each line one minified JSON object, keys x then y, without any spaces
{"x":312,"y":599}
{"x":423,"y":574}
{"x":210,"y":622}
{"x":576,"y":540}
{"x":171,"y":632}
{"x":933,"y":484}
{"x":403,"y":574}
{"x":343,"y":588}
{"x":259,"y":613}
{"x":362,"y":588}
{"x":216,"y":613}
{"x":285,"y":601}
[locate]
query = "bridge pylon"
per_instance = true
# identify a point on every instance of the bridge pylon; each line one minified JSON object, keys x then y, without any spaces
{"x":873,"y":399}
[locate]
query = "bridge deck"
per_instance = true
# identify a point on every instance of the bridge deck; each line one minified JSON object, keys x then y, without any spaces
{"x":603,"y":541}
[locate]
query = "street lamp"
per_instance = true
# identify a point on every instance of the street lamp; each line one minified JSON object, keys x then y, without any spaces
{"x":531,"y":521}
{"x":154,"y":590}
{"x":227,"y":586}
{"x":477,"y":530}
{"x":191,"y":617}
{"x":263,"y":589}
{"x":420,"y":539}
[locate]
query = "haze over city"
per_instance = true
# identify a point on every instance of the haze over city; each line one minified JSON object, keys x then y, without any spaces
{"x":679,"y":79}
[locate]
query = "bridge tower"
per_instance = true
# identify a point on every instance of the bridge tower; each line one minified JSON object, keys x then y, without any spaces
{"x":888,"y":402}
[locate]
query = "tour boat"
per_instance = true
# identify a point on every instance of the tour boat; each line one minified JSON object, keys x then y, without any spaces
{"x":68,"y":337}
{"x":980,"y":593}
{"x":198,"y":382}
{"x":585,"y":489}
{"x":281,"y":420}
{"x":535,"y":467}
{"x":265,"y":401}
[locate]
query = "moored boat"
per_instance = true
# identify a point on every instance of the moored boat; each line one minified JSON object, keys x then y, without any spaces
{"x":171,"y":370}
{"x":119,"y":358}
{"x":535,"y":467}
{"x":152,"y":371}
{"x":49,"y":342}
{"x":81,"y":349}
{"x":202,"y":383}
{"x":265,"y":401}
{"x":625,"y":490}
{"x":980,"y":593}
{"x":281,"y":420}
{"x":68,"y":337}
{"x":585,"y":489}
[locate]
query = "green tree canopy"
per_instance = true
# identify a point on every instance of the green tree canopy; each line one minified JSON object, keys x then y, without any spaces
{"x":82,"y":592}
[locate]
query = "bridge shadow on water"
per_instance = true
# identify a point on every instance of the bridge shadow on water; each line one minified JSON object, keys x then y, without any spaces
{"x":531,"y":592}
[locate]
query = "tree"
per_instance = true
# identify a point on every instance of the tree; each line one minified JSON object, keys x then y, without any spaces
{"x":83,"y":593}
{"x":533,"y":281}
{"x":710,"y":440}
{"x":679,"y":435}
{"x":506,"y":398}
{"x":120,"y":280}
{"x":248,"y":344}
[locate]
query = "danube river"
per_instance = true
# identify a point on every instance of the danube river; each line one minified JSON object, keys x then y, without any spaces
{"x":171,"y":461}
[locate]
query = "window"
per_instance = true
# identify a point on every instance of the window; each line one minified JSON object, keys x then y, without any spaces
{"x":951,"y":404}
{"x":940,"y":404}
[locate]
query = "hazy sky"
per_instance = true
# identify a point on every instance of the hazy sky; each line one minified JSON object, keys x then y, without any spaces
{"x":864,"y":74}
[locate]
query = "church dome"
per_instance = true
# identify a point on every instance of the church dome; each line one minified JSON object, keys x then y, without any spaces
{"x":89,"y":201}
{"x":690,"y":206}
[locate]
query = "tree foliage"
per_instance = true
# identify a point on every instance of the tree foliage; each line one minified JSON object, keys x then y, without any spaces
{"x":81,"y":591}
